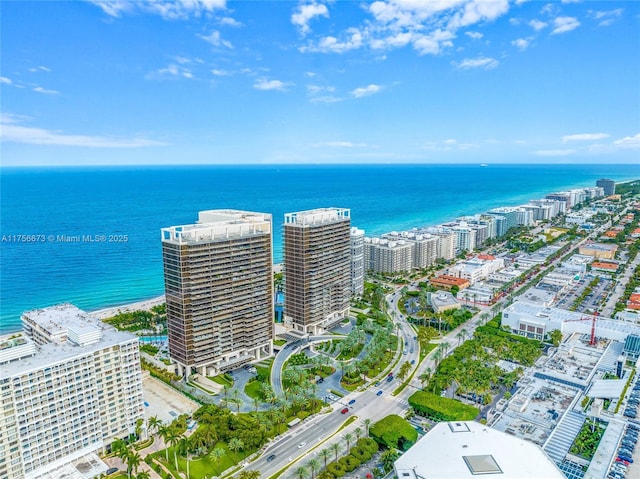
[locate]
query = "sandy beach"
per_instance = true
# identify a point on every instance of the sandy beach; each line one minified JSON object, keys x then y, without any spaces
{"x":125,"y":308}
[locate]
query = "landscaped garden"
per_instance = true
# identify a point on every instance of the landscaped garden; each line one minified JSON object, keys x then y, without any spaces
{"x":586,"y":443}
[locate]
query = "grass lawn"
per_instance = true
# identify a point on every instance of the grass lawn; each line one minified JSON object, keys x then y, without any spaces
{"x":352,"y":354}
{"x":220,"y":379}
{"x":252,"y":389}
{"x":279,"y":342}
{"x":204,"y":466}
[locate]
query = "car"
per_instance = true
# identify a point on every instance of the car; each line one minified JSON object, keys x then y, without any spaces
{"x":411,"y":350}
{"x":352,"y":402}
{"x":345,"y":410}
{"x":112,"y":470}
{"x":271,"y":457}
{"x":302,"y":444}
{"x":379,"y":393}
{"x":389,"y":379}
{"x":389,"y":375}
{"x":413,"y":361}
{"x":319,"y":381}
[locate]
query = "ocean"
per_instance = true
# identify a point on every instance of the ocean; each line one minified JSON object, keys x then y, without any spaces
{"x":121,"y":210}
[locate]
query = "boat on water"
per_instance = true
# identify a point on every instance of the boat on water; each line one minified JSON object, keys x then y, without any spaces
{"x":483,"y":164}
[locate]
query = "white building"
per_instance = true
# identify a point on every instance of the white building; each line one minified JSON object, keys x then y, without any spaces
{"x":535,"y":321}
{"x":425,"y":246}
{"x":70,"y":386}
{"x":465,"y":450}
{"x":357,"y":261}
{"x":476,"y":269}
{"x":385,"y":256}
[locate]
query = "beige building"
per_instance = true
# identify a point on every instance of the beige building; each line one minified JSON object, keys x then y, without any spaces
{"x":317,"y":268}
{"x":219,"y":290}
{"x":599,"y":250}
{"x":70,"y":385}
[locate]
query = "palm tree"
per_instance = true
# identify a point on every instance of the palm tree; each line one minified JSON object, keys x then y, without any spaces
{"x":314,"y":465}
{"x":367,"y":425}
{"x":185,"y":444}
{"x":358,"y":432}
{"x":236,"y":445}
{"x":425,"y":376}
{"x":143,"y":475}
{"x":217,"y":454}
{"x":348,"y":437}
{"x":335,"y":448}
{"x":153,"y":424}
{"x":388,"y":457}
{"x":301,"y":472}
{"x":119,"y":447}
{"x":324,"y":455}
{"x":133,"y":460}
{"x":174,"y":439}
{"x":165,"y":432}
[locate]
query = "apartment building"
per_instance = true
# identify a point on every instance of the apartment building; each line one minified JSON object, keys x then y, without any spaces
{"x":70,"y":385}
{"x":608,"y":186}
{"x":219,"y":290}
{"x":317,"y":268}
{"x":388,"y":256}
{"x":357,"y":261}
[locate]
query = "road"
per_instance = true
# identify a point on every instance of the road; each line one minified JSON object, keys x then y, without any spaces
{"x":368,"y":405}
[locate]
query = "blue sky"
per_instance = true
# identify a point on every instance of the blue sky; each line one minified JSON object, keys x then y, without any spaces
{"x":404,"y":81}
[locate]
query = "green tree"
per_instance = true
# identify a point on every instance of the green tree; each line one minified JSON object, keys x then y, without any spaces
{"x":217,"y":454}
{"x":301,"y":472}
{"x":236,"y":445}
{"x":349,"y":438}
{"x":314,"y":465}
{"x":143,"y":475}
{"x":335,"y":448}
{"x":133,"y":460}
{"x":165,"y":433}
{"x":556,"y":337}
{"x":388,"y":457}
{"x":249,"y":475}
{"x":324,"y":455}
{"x":367,"y":425}
{"x":404,"y":370}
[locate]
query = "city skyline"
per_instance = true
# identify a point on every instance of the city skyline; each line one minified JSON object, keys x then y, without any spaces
{"x":213,"y":82}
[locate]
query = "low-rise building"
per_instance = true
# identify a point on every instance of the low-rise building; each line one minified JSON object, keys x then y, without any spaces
{"x":459,"y":450}
{"x":447,"y":282}
{"x":441,"y":301}
{"x":599,"y":250}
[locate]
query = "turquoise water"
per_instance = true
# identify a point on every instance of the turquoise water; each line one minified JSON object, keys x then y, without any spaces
{"x":124,"y":209}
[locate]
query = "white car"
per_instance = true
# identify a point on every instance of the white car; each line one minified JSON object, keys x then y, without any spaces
{"x":301,"y":445}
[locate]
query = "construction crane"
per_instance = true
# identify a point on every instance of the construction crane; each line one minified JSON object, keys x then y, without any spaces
{"x":593,"y":319}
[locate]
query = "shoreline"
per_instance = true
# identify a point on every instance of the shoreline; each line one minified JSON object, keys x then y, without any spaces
{"x":144,"y":305}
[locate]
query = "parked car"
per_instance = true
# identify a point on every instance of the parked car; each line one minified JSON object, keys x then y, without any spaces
{"x":112,"y":470}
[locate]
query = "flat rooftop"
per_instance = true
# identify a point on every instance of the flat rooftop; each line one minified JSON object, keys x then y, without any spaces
{"x":317,"y":216}
{"x":459,"y":450}
{"x":219,"y":225}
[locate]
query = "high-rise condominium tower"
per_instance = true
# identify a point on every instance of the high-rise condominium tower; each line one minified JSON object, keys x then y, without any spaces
{"x":317,"y":268}
{"x":219,"y":289}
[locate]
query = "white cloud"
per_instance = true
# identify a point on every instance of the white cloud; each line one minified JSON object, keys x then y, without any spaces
{"x":315,"y":89}
{"x":565,"y":152}
{"x":39,"y":89}
{"x":325,"y":99}
{"x":220,"y":73}
{"x":433,"y":43}
{"x":341,"y":144}
{"x":230,"y":22}
{"x":366,"y":91}
{"x":585,"y":137}
{"x":428,"y":26}
{"x":215,"y":39}
{"x":628,"y":141}
{"x":607,"y":17}
{"x":5,"y":80}
{"x":479,"y":11}
{"x":564,"y":24}
{"x":480,"y":62}
{"x":40,"y":69}
{"x":172,"y":70}
{"x":306,"y":13}
{"x":522,"y":43}
{"x":167,"y":9}
{"x":331,"y":44}
{"x":12,"y":132}
{"x":474,"y":35}
{"x":264,"y":84}
{"x":537,"y":25}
